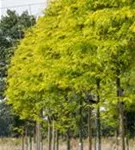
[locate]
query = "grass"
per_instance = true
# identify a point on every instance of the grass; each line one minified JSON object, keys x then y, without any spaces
{"x":10,"y":144}
{"x":15,"y":144}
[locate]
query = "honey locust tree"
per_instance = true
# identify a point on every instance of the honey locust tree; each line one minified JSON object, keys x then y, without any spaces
{"x":113,"y":23}
{"x":55,"y":55}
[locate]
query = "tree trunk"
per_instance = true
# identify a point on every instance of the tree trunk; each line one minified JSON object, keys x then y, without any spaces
{"x":42,"y":143}
{"x":23,"y":142}
{"x":121,"y":116}
{"x":57,"y":140}
{"x":68,"y":140}
{"x":49,"y":135}
{"x":126,"y":133}
{"x":98,"y":124}
{"x":38,"y":136}
{"x":81,"y":127}
{"x":90,"y":127}
{"x":121,"y":126}
{"x":53,"y":136}
{"x":116,"y":140}
{"x":127,"y":144}
{"x":98,"y":130}
{"x":26,"y":139}
{"x":95,"y":140}
{"x":30,"y":141}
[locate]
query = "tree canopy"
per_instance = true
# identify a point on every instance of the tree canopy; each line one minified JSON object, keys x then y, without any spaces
{"x":12,"y":28}
{"x":72,"y":46}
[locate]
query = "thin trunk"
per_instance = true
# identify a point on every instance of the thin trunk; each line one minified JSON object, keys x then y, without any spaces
{"x":121,"y":126}
{"x":95,"y":139}
{"x":53,"y":136}
{"x":117,"y":140}
{"x":26,"y":139}
{"x":23,"y":143}
{"x":126,"y":133}
{"x":90,"y":127}
{"x":38,"y":137}
{"x":68,"y":140}
{"x":34,"y":137}
{"x":42,"y":144}
{"x":98,"y":130}
{"x":49,"y":135}
{"x":81,"y":127}
{"x":57,"y":140}
{"x":98,"y":124}
{"x":127,"y":143}
{"x":30,"y":141}
{"x":121,"y":115}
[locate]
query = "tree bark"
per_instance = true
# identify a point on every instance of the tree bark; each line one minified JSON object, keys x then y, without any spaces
{"x":53,"y":136}
{"x":57,"y":140}
{"x":38,"y":136}
{"x":116,"y":140}
{"x":30,"y":141}
{"x":126,"y":134}
{"x":42,"y":143}
{"x":98,"y":130}
{"x":23,"y":142}
{"x":121,"y":115}
{"x":98,"y":124}
{"x":68,"y":140}
{"x":81,"y":127}
{"x":26,"y":139}
{"x":90,"y":127}
{"x":49,"y":135}
{"x":121,"y":126}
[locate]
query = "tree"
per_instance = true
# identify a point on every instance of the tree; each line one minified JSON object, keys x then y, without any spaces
{"x":12,"y":28}
{"x":6,"y":120}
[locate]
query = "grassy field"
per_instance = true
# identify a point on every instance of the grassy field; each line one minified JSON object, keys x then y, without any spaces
{"x":15,"y":144}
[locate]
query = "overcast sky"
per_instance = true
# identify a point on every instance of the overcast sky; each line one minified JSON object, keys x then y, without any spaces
{"x":33,"y":6}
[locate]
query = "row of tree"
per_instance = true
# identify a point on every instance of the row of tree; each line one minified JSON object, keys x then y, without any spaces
{"x":78,"y":57}
{"x":12,"y":28}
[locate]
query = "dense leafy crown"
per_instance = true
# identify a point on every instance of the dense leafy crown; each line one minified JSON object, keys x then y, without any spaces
{"x":12,"y":28}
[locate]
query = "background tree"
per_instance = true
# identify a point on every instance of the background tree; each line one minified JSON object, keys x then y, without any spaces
{"x":12,"y":28}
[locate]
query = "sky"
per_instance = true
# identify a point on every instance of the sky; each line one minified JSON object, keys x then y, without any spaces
{"x":34,"y":7}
